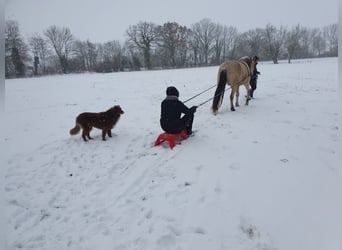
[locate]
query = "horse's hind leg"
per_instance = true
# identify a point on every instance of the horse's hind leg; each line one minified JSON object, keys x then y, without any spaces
{"x":232,"y":98}
{"x":237,"y":97}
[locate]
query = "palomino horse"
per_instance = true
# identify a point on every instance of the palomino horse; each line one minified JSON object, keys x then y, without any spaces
{"x":234,"y":73}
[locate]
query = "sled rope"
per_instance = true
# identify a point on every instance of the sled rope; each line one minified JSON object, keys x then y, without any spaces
{"x":212,"y":98}
{"x":199,"y":93}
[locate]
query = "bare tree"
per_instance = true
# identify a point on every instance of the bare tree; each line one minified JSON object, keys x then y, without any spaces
{"x":293,"y":41}
{"x":230,"y":35}
{"x":16,"y":51}
{"x":143,"y":36}
{"x":249,"y":43}
{"x":331,"y":35}
{"x":40,"y":52}
{"x":169,"y":45}
{"x":204,"y":33}
{"x":172,"y":39}
{"x":86,"y":55}
{"x":113,"y":54}
{"x":306,"y":49}
{"x":80,"y":50}
{"x":61,"y":41}
{"x":219,"y":41}
{"x":274,"y":41}
{"x":91,"y":55}
{"x":194,"y":46}
{"x":318,"y":42}
{"x":254,"y":41}
{"x":110,"y":57}
{"x":132,"y":56}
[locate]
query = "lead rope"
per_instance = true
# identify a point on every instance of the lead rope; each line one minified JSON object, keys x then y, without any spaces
{"x":200,"y":93}
{"x":212,"y":97}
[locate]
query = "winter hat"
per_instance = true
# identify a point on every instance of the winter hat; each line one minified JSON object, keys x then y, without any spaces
{"x":172,"y":91}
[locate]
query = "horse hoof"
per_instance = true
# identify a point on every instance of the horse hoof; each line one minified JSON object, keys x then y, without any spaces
{"x":232,"y":109}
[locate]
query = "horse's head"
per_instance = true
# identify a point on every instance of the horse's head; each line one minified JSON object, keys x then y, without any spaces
{"x":254,"y":62}
{"x":246,"y":59}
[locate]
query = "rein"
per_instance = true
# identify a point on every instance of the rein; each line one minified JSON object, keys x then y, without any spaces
{"x":199,"y":94}
{"x":211,"y":98}
{"x":203,"y":93}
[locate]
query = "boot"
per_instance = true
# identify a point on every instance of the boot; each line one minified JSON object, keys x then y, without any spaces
{"x":251,"y":94}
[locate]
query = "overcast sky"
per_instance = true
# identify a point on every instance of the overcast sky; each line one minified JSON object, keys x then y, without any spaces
{"x":105,"y":20}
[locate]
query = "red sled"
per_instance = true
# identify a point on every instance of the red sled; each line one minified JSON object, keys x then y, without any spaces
{"x":172,"y":139}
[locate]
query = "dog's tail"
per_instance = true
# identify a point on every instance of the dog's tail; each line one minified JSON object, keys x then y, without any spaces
{"x":75,"y":130}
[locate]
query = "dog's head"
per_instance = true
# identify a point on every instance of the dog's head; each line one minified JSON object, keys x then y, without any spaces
{"x":117,"y":109}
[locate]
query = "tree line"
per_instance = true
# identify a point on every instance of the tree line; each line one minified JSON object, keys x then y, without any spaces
{"x":151,"y":46}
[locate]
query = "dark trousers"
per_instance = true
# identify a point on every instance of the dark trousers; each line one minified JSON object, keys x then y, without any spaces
{"x":178,"y":126}
{"x":253,"y":84}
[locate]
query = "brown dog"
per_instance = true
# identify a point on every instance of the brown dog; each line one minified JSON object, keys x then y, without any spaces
{"x":103,"y":120}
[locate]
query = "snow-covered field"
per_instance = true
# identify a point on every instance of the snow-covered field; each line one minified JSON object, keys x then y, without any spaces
{"x":266,"y":176}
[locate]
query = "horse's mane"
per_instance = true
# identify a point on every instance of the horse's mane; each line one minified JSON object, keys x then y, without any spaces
{"x":247,"y":60}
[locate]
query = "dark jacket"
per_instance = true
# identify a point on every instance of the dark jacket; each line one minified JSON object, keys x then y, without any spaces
{"x":171,"y":111}
{"x":254,"y":77}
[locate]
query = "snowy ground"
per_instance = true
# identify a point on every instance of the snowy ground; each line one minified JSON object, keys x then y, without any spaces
{"x":263,"y":177}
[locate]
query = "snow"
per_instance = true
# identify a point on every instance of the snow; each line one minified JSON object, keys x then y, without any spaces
{"x":263,"y":177}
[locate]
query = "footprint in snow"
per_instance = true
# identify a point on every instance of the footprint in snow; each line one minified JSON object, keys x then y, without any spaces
{"x":199,"y":230}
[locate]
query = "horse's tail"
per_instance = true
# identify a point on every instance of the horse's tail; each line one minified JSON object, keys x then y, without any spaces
{"x":75,"y":130}
{"x":219,"y":93}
